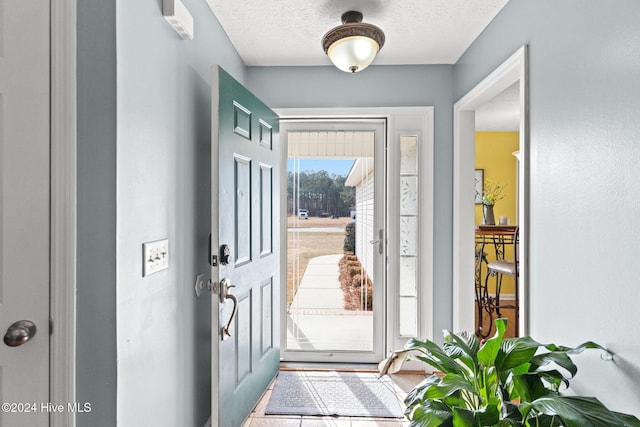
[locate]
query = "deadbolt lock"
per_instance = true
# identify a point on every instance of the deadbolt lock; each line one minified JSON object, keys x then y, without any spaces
{"x":225,"y":255}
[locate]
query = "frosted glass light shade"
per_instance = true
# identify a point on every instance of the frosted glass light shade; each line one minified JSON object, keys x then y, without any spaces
{"x":353,"y":54}
{"x":353,"y":46}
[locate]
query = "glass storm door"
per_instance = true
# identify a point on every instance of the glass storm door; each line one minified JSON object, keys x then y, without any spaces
{"x":335,"y":241}
{"x":245,"y":250}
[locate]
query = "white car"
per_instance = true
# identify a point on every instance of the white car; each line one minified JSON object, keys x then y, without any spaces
{"x":303,"y":214}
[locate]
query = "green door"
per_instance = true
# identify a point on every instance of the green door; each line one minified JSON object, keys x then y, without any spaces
{"x":246,"y":242}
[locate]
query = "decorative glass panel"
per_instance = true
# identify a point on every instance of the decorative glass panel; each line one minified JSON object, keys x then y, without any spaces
{"x":408,"y":270}
{"x":408,"y":235}
{"x":408,"y":158}
{"x":409,"y":195}
{"x":408,"y":317}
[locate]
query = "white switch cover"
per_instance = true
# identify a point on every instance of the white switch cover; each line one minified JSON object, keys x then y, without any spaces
{"x":155,"y":256}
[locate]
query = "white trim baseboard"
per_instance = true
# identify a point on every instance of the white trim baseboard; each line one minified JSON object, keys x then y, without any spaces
{"x":62,"y":363}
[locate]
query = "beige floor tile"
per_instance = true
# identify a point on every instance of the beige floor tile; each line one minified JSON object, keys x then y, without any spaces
{"x":258,"y":411}
{"x":274,"y":421}
{"x":377,"y":423}
{"x":405,"y":382}
{"x":326,"y":422}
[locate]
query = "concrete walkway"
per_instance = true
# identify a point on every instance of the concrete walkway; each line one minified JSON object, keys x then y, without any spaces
{"x":317,"y":319}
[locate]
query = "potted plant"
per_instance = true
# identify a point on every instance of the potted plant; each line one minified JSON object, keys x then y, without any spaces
{"x":501,"y":382}
{"x":491,"y":193}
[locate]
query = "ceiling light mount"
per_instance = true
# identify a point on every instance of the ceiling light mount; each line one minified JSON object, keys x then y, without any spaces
{"x":353,"y":46}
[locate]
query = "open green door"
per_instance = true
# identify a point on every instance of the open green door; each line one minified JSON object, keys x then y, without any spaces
{"x":245,"y":249}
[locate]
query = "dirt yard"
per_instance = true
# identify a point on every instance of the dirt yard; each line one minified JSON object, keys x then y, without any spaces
{"x":303,"y":246}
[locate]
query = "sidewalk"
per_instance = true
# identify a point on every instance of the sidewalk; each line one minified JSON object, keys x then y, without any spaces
{"x":317,"y":319}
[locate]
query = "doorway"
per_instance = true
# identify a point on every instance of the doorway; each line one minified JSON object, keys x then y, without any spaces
{"x":510,"y":76}
{"x":335,"y":255}
{"x":403,"y":233}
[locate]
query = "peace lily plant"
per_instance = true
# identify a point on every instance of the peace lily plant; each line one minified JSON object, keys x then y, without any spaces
{"x":501,"y":382}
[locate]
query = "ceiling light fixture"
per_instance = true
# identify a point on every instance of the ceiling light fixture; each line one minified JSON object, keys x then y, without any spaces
{"x":353,"y":46}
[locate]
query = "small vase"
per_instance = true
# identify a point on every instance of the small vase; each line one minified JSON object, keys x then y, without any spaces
{"x":487,"y":215}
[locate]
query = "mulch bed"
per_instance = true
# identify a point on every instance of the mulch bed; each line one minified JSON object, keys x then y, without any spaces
{"x":356,"y":284}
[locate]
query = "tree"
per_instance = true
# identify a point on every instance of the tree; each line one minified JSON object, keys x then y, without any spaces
{"x":319,"y":192}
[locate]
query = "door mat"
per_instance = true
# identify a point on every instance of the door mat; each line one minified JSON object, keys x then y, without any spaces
{"x":347,"y":394}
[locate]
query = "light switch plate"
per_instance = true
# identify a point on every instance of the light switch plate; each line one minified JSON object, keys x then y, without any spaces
{"x":155,"y":257}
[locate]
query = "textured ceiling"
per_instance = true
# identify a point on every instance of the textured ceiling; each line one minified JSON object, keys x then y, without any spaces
{"x":502,"y":113}
{"x":288,"y":32}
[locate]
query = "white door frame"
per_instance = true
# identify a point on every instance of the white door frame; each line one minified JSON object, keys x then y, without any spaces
{"x":397,"y":118}
{"x":62,"y":363}
{"x":508,"y":73}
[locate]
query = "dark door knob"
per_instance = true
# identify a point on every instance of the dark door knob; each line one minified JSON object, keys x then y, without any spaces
{"x":19,"y":333}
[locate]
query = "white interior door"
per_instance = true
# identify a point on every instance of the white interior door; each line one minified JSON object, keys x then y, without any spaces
{"x":245,"y":240}
{"x":24,"y":212}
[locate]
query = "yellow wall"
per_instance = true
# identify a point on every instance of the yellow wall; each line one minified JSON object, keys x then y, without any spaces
{"x":493,"y":154}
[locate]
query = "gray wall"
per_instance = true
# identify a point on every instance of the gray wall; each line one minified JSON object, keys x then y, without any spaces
{"x":585,"y":208}
{"x":143,"y":344}
{"x":383,"y":86}
{"x":96,"y":213}
{"x":163,"y":189}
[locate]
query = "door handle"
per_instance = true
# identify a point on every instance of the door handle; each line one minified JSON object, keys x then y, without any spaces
{"x":379,"y":241}
{"x":225,"y":285}
{"x":19,"y":333}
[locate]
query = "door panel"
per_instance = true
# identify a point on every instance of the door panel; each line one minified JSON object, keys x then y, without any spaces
{"x":24,"y":207}
{"x":244,"y":148}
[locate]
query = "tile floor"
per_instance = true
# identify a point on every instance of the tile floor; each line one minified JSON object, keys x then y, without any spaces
{"x":403,"y":383}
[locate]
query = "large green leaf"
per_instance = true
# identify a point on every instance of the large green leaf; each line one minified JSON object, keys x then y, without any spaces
{"x":486,"y":416}
{"x":433,"y":355}
{"x":448,"y":385}
{"x":463,"y":417}
{"x":528,"y":387}
{"x":431,"y":414}
{"x":489,"y":351}
{"x":628,"y":420}
{"x":554,"y":378}
{"x":559,"y":358}
{"x":463,"y":347}
{"x":577,"y":411}
{"x":516,"y":352}
{"x":578,"y":349}
{"x":416,"y":395}
{"x":509,"y":411}
{"x":490,"y":386}
{"x":543,"y":420}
